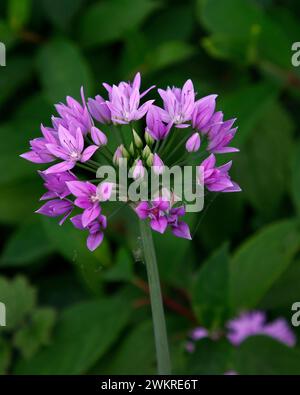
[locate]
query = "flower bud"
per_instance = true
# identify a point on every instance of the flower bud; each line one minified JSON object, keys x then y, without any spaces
{"x":131,"y":149}
{"x":150,"y":160}
{"x":137,"y":140}
{"x":158,"y":165}
{"x":118,"y":154}
{"x":149,"y":140}
{"x":193,"y":143}
{"x":125,"y":153}
{"x":146,"y":152}
{"x":98,"y":137}
{"x":138,"y":170}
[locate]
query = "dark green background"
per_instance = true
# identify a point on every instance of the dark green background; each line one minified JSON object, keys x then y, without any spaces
{"x":70,"y":311}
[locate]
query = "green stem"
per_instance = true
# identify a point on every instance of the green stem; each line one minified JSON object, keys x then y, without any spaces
{"x":158,"y":317}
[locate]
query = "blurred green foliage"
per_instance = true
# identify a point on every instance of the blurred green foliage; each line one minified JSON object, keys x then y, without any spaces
{"x":75,"y":312}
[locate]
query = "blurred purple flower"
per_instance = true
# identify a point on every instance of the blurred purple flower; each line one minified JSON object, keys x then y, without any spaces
{"x":124,"y":101}
{"x":95,"y":229}
{"x":71,"y":149}
{"x":178,"y":104}
{"x":248,"y":324}
{"x":254,"y":323}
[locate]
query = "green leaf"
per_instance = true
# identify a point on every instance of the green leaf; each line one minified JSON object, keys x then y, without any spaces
{"x":263,"y":169}
{"x":26,"y":245}
{"x":83,"y":334}
{"x":8,"y":36}
{"x":19,"y":13}
{"x":260,"y":261}
{"x":263,"y":355}
{"x":71,"y":243}
{"x":10,"y":77}
{"x":221,"y":218}
{"x":175,"y":268}
{"x":285,"y":291}
{"x":160,"y":27}
{"x":230,"y":16}
{"x":248,"y":104}
{"x":19,"y":299}
{"x":19,"y":200}
{"x":61,"y":13}
{"x":5,"y":355}
{"x":122,"y":269}
{"x":295,"y":179}
{"x":15,"y":140}
{"x":36,"y":333}
{"x":242,"y":27}
{"x":63,"y":70}
{"x":210,"y":357}
{"x":109,"y":21}
{"x":210,"y":296}
{"x":123,"y":361}
{"x":167,"y":54}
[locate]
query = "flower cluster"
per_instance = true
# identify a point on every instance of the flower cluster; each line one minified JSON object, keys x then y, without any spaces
{"x":75,"y":147}
{"x":248,"y":324}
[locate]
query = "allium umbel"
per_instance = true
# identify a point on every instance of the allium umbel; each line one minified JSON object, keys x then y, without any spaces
{"x":178,"y":129}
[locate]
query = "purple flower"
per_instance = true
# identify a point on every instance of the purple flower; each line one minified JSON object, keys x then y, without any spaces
{"x":217,"y":179}
{"x":70,"y":149}
{"x":161,"y":216}
{"x":75,"y":113}
{"x":156,"y":211}
{"x":158,"y":165}
{"x":95,"y":229}
{"x":254,"y":323}
{"x":99,"y":109}
{"x":98,"y":136}
{"x":57,"y":208}
{"x":124,"y":101}
{"x":178,"y":104}
{"x":190,"y":347}
{"x":203,"y":112}
{"x":56,"y":185}
{"x":88,"y":197}
{"x":39,"y":152}
{"x":179,"y":228}
{"x":193,"y":143}
{"x":155,"y":126}
{"x":220,"y":135}
{"x":199,"y":333}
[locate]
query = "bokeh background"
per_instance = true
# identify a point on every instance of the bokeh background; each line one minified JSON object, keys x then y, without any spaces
{"x":70,"y":311}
